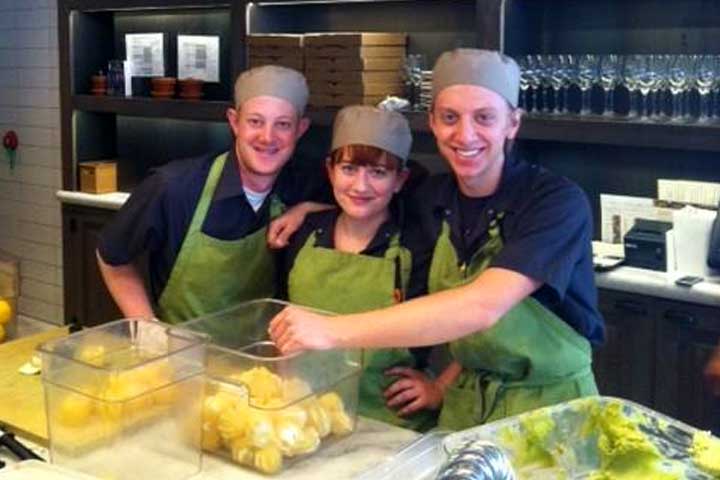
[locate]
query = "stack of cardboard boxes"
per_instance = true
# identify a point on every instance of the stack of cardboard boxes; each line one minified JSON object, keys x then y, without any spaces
{"x":276,"y":49}
{"x":341,"y":68}
{"x":353,"y":68}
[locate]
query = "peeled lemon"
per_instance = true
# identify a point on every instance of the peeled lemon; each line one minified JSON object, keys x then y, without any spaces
{"x":74,"y":410}
{"x":5,"y":311}
{"x":268,"y":459}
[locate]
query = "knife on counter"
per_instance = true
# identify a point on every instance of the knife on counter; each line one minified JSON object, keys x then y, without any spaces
{"x":9,"y":441}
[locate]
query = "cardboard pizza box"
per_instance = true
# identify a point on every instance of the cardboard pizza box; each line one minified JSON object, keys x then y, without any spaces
{"x":340,"y":64}
{"x":345,"y":39}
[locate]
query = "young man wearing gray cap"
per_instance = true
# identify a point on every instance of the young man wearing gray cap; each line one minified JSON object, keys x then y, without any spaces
{"x":203,"y":220}
{"x":509,"y":270}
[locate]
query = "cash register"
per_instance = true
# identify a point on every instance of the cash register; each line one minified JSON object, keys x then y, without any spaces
{"x":646,"y":244}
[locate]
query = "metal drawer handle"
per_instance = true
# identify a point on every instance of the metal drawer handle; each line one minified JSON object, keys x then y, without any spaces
{"x":681,"y":318}
{"x":631,"y":306}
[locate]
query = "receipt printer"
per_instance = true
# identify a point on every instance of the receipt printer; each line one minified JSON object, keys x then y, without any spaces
{"x":646,"y":245}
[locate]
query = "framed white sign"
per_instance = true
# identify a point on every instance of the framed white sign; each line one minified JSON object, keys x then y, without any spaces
{"x":199,"y":57}
{"x":145,"y":52}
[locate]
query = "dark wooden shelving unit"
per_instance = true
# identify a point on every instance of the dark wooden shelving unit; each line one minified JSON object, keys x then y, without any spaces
{"x":213,"y":111}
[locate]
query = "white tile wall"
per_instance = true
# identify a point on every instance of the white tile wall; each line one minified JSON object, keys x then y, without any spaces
{"x":30,"y":226}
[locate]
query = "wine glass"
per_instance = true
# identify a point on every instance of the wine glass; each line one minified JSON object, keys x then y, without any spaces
{"x":560,"y":80}
{"x":609,"y":74}
{"x":525,"y":82}
{"x":706,"y":78}
{"x":678,"y":82}
{"x":533,"y":78}
{"x":544,"y":66}
{"x":586,"y":75}
{"x":660,"y":64}
{"x":647,"y":78}
{"x":629,"y":81}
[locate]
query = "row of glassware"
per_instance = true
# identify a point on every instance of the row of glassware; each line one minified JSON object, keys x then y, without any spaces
{"x":657,"y":86}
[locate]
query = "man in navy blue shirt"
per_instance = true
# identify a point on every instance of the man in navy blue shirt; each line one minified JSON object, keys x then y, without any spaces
{"x":203,"y":221}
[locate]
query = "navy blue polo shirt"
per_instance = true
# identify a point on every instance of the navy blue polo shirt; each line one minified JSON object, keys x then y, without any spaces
{"x":158,"y":213}
{"x":546,"y":232}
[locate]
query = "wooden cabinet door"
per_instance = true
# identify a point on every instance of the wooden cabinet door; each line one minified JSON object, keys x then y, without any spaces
{"x":624,"y":365}
{"x":687,"y":335}
{"x":87,"y":301}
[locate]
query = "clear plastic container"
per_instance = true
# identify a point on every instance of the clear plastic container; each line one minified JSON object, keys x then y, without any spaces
{"x":9,"y":293}
{"x":264,"y":410}
{"x":123,"y":400}
{"x":419,"y":460}
{"x":598,"y":437}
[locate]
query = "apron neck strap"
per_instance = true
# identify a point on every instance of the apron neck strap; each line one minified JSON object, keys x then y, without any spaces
{"x":206,"y":197}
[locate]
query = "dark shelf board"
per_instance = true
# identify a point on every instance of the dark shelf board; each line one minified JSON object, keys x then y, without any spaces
{"x":213,"y":111}
{"x":622,"y":132}
{"x":119,"y":5}
{"x":589,"y":130}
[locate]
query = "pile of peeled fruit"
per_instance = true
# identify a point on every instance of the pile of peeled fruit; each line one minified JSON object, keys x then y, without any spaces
{"x":122,"y":398}
{"x":6,"y":314}
{"x":276,"y":418}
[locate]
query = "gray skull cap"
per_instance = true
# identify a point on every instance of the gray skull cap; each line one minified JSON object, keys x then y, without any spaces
{"x":484,"y":68}
{"x":366,"y":125}
{"x":273,"y":81}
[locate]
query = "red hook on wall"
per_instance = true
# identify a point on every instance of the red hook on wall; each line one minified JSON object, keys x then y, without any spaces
{"x":11,"y":142}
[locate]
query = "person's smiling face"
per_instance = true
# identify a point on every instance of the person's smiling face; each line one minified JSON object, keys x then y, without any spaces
{"x":471,"y":125}
{"x":266,"y":130}
{"x":364,"y":189}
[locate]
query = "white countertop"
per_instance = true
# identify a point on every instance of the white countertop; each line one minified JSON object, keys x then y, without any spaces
{"x":659,"y":284}
{"x":628,"y":279}
{"x":372,"y":443}
{"x":111,"y":201}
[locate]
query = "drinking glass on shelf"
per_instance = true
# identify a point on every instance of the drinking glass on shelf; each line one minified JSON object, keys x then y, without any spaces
{"x":544,"y":65}
{"x":678,"y":82}
{"x":661,"y":64}
{"x":525,"y":82}
{"x":560,"y":80}
{"x":715,"y":93}
{"x":586,"y":75}
{"x":630,"y":82}
{"x":609,"y":74}
{"x":647,"y":78}
{"x":707,"y":72}
{"x":533,"y":77}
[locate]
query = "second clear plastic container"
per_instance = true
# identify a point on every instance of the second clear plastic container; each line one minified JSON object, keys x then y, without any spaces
{"x":123,"y":400}
{"x":264,"y":410}
{"x":598,"y":438}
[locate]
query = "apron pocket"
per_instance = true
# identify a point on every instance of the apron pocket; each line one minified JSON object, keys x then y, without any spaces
{"x":458,"y":409}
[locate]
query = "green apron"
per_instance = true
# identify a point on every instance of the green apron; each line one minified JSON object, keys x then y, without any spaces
{"x":343,"y":282}
{"x":529,"y":359}
{"x":212,"y":274}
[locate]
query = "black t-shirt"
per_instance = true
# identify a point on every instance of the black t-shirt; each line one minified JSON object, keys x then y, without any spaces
{"x":546,"y":232}
{"x":157,"y":215}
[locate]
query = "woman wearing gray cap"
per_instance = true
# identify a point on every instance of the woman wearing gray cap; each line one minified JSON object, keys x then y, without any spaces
{"x":510,"y":268}
{"x":351,"y":259}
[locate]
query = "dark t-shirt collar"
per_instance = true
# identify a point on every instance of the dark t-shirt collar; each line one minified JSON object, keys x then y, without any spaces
{"x":501,"y":200}
{"x":324,"y":227}
{"x":230,"y":183}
